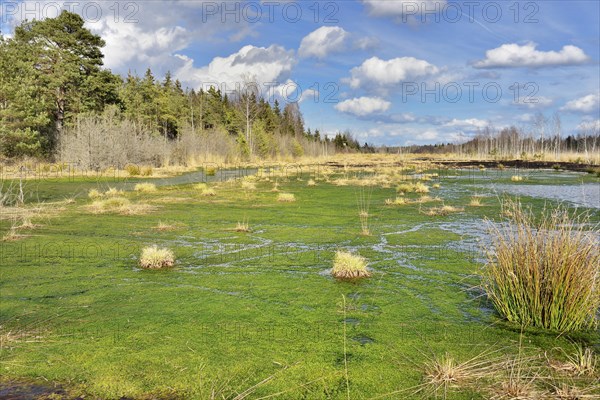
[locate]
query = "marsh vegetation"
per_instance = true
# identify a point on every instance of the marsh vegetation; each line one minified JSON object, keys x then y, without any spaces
{"x":350,"y":281}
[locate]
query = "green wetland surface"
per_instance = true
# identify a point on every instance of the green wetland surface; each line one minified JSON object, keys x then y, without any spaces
{"x":256,"y":314}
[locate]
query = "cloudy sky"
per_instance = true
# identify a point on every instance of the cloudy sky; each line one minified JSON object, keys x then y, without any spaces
{"x":390,"y":71}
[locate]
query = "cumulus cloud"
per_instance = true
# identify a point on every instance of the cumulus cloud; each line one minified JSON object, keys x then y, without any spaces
{"x":585,"y":104}
{"x":268,"y":65}
{"x":400,"y":8}
{"x":513,"y":55}
{"x":363,"y":106}
{"x":323,"y":41}
{"x":127,"y":43}
{"x":389,"y":72}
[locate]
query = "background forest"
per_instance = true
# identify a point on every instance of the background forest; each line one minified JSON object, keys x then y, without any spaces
{"x":57,"y":102}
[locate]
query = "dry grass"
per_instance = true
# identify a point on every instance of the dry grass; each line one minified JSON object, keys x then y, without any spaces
{"x":118,"y":205}
{"x":444,"y":373}
{"x":417,"y":187}
{"x":427,"y":199}
{"x":243,"y":226}
{"x":94,"y":194}
{"x":583,"y":362}
{"x":200,"y":186}
{"x":286,"y":197}
{"x":208,"y":192}
{"x":311,"y":182}
{"x":247,"y":185}
{"x":398,"y":201}
{"x":113,"y":192}
{"x":363,"y":200}
{"x":516,"y":178}
{"x":436,"y":186}
{"x":544,"y":269}
{"x":475,"y":201}
{"x":349,"y":266}
{"x":145,"y":187}
{"x":154,"y":257}
{"x":441,"y":211}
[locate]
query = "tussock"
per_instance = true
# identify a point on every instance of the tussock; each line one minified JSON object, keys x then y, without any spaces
{"x":145,"y":187}
{"x":154,"y":257}
{"x":349,"y":266}
{"x":286,"y":198}
{"x":208,"y":192}
{"x":544,"y":269}
{"x":94,"y":194}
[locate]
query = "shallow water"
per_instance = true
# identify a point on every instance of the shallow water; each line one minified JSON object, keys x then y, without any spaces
{"x":583,"y":195}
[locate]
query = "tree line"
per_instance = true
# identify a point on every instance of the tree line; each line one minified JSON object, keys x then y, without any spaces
{"x":52,"y":84}
{"x":543,"y":142}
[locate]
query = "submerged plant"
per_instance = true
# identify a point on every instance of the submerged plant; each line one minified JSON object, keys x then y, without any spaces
{"x":349,"y":266}
{"x":544,"y":272}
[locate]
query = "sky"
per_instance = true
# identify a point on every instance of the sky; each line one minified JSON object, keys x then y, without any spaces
{"x":392,"y":72}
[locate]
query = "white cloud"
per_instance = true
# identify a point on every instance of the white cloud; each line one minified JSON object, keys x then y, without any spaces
{"x":381,"y":72}
{"x":127,"y":43}
{"x":363,"y":106}
{"x":323,"y":41}
{"x":469,"y":123}
{"x":399,"y":8}
{"x":513,"y":55}
{"x":585,"y":104}
{"x":291,"y":92}
{"x":267,"y":65}
{"x":533,"y":102}
{"x":589,"y":126}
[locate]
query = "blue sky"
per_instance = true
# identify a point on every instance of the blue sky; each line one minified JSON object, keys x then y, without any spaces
{"x":364,"y":65}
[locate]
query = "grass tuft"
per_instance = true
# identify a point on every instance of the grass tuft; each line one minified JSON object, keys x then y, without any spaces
{"x":349,"y":266}
{"x":544,"y":272}
{"x":94,"y":194}
{"x":475,"y":201}
{"x":516,"y":178}
{"x":145,"y":187}
{"x":242,"y":227}
{"x":208,"y":192}
{"x":154,"y":257}
{"x":286,"y":197}
{"x":398,"y":201}
{"x":113,"y":192}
